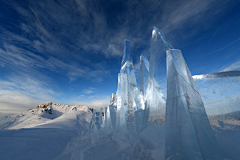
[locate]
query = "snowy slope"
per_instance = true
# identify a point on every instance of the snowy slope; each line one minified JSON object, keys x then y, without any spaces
{"x":39,"y":117}
{"x":63,"y":135}
{"x":148,"y":145}
{"x":37,"y":134}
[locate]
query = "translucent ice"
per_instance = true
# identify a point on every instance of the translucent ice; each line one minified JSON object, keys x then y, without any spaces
{"x":105,"y":117}
{"x":113,"y":111}
{"x":119,"y":102}
{"x":156,"y":92}
{"x":188,"y":131}
{"x":144,"y":69}
{"x":100,"y":116}
{"x":220,"y":92}
{"x":157,"y":67}
{"x":126,"y":53}
{"x":123,"y":102}
{"x":113,"y":99}
{"x":109,"y":120}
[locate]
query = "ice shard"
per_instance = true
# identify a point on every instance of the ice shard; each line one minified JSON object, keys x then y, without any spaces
{"x":100,"y":116}
{"x":156,"y":92}
{"x":135,"y":100}
{"x":119,"y":103}
{"x":97,"y":120}
{"x":144,"y":69}
{"x":157,"y":68}
{"x":113,"y":99}
{"x":220,"y":92}
{"x":141,"y":116}
{"x":109,"y":120}
{"x":188,"y":133}
{"x":92,"y":126}
{"x":126,"y":53}
{"x":122,"y":106}
{"x":113,"y":112}
{"x":105,"y":118}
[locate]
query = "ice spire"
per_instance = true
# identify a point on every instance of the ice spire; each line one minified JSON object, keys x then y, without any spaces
{"x":144,"y":68}
{"x":126,"y":52}
{"x":157,"y":68}
{"x":188,"y":131}
{"x":129,"y":99}
{"x":156,"y":92}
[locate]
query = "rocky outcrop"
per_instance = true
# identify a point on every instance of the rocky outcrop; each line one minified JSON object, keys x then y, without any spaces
{"x":45,"y":105}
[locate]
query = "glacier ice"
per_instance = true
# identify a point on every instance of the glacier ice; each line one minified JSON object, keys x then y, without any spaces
{"x":188,"y":134}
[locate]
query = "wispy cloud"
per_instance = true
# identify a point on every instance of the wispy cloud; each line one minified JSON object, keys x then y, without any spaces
{"x":13,"y":102}
{"x":60,"y":37}
{"x":232,"y":67}
{"x":89,"y":90}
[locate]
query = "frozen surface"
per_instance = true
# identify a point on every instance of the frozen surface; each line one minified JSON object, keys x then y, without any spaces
{"x":220,"y":92}
{"x":188,"y":131}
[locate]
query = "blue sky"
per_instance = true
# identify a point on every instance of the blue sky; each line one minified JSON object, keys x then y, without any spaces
{"x":70,"y":51}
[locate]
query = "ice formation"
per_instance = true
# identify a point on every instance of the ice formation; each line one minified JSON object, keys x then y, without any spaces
{"x":188,"y":134}
{"x":169,"y":96}
{"x":144,"y":69}
{"x":156,"y":92}
{"x":100,"y":116}
{"x":92,"y":126}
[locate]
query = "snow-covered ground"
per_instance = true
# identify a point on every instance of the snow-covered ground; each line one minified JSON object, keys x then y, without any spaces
{"x":37,"y":134}
{"x":63,"y":135}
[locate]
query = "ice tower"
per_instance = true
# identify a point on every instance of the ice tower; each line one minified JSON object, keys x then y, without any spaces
{"x":156,"y":92}
{"x":129,"y":99}
{"x":188,"y":131}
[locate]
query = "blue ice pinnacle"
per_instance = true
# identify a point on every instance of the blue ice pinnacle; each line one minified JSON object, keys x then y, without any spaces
{"x":188,"y":131}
